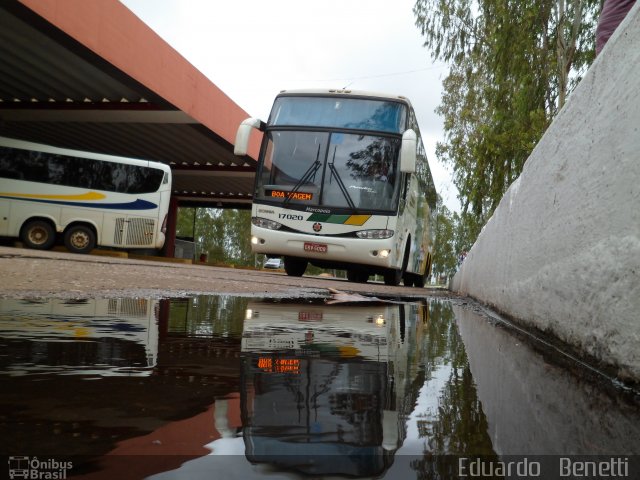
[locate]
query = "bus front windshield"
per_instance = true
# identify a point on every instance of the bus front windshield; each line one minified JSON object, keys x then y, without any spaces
{"x":354,"y":171}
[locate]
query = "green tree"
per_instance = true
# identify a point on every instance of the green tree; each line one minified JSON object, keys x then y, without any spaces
{"x":467,"y":229}
{"x":222,"y":234}
{"x":444,"y":257}
{"x":237,"y":236}
{"x":512,"y":65}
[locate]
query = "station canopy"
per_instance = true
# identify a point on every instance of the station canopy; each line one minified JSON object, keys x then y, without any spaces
{"x":92,"y":76}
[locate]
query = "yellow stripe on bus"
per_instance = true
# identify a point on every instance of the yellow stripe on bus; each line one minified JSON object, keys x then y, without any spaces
{"x":82,"y":196}
{"x":357,"y":220}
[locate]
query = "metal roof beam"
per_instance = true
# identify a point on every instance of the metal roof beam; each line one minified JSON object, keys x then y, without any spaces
{"x":90,"y":113}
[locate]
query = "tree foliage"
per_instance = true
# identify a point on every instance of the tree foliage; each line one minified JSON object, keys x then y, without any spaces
{"x":444,"y":257}
{"x":455,"y":233}
{"x":223,"y":235}
{"x":512,"y":65}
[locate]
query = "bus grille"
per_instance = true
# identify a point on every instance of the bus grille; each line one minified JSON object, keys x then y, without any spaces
{"x":135,"y":307}
{"x":140,"y":231}
{"x":117,"y":234}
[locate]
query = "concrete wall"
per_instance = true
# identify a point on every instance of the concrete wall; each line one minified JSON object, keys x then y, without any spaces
{"x":534,"y":408}
{"x":562,"y":251}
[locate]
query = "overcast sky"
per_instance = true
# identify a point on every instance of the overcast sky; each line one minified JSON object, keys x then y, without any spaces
{"x":252,"y":49}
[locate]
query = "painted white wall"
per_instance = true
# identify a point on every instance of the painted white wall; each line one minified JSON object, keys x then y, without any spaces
{"x":562,"y":250}
{"x":534,"y":408}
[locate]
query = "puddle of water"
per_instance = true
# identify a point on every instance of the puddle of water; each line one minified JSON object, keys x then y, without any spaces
{"x":217,"y":386}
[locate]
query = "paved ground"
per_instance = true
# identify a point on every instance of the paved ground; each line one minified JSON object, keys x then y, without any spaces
{"x":33,"y":273}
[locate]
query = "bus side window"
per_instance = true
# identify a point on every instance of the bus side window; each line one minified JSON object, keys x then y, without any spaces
{"x":406,"y":186}
{"x":403,"y":194}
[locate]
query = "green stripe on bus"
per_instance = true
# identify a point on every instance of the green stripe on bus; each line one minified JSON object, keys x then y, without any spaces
{"x":328,"y":218}
{"x":341,"y":219}
{"x":318,"y":217}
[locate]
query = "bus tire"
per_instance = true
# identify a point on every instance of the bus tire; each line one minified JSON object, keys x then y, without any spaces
{"x":357,"y":275}
{"x":392,"y":276}
{"x":409,"y":279}
{"x":38,"y":234}
{"x":414,"y":280}
{"x":421,"y":280}
{"x":294,"y":266}
{"x":79,"y":239}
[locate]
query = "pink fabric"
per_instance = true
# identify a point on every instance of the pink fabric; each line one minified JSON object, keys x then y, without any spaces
{"x":613,"y":12}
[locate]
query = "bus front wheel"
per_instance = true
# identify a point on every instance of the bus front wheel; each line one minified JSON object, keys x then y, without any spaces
{"x":38,"y":234}
{"x":421,"y":280}
{"x":392,"y":276}
{"x":294,"y":266}
{"x":357,"y":275}
{"x":79,"y":239}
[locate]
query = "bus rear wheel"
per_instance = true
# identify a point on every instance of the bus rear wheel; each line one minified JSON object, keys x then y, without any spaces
{"x":79,"y":239}
{"x":295,"y":266}
{"x":38,"y":234}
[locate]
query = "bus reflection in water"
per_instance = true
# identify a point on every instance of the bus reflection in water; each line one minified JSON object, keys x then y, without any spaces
{"x":323,"y":387}
{"x":105,"y":337}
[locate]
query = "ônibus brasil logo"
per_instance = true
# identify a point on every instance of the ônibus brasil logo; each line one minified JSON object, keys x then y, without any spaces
{"x":33,"y":468}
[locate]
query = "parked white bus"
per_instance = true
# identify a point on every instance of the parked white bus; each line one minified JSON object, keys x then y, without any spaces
{"x":85,"y":199}
{"x":343,"y":182}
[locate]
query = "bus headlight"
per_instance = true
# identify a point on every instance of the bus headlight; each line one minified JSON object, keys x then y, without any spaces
{"x":375,"y":234}
{"x":265,"y":223}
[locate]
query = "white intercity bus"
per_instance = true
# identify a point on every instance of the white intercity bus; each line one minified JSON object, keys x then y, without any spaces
{"x":343,"y":182}
{"x":85,"y":199}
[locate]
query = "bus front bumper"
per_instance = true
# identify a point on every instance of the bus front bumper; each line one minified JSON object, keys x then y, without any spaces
{"x":382,"y":253}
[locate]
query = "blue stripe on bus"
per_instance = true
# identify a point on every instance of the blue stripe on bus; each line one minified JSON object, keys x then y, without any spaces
{"x":138,"y":204}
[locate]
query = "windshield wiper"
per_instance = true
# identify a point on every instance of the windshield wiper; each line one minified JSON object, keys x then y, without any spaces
{"x":311,"y":172}
{"x":343,"y":189}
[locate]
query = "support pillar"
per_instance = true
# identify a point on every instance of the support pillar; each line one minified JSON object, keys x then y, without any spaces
{"x":170,"y":235}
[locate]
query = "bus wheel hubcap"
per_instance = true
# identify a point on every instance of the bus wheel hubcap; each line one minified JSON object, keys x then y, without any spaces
{"x":38,"y":235}
{"x":79,"y":240}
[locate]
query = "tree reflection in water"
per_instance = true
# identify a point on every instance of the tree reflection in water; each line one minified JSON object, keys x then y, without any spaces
{"x":458,"y":426}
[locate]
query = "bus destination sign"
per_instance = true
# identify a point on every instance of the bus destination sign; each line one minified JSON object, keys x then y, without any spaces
{"x":304,"y":196}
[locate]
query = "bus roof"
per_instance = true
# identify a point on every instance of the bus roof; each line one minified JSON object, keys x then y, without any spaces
{"x":39,"y":147}
{"x":345,"y":92}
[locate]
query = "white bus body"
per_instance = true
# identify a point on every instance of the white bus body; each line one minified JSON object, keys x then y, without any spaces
{"x":353,"y":330}
{"x":87,"y":199}
{"x":343,"y":182}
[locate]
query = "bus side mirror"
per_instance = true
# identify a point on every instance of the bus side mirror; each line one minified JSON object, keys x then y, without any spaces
{"x":408,"y":152}
{"x":244,"y":132}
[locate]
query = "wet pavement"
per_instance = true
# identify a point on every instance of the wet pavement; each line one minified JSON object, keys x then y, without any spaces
{"x":239,"y":387}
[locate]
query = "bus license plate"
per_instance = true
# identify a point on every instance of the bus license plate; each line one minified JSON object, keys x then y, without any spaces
{"x":315,"y":247}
